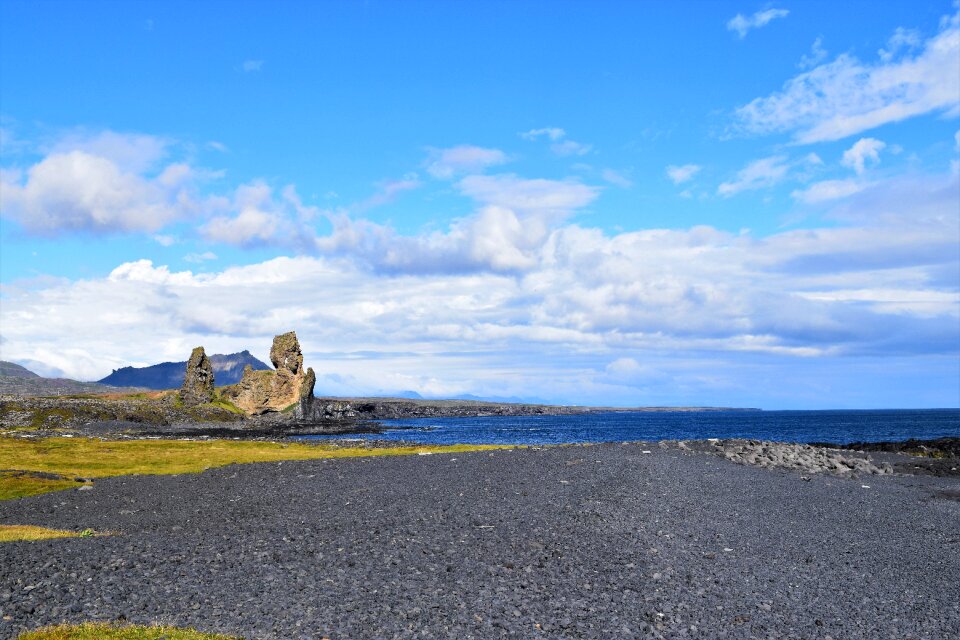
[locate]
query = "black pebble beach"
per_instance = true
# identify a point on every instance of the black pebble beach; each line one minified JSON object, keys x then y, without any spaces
{"x":603,"y":541}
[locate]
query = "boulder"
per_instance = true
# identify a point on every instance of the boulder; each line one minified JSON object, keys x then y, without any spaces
{"x":290,"y":386}
{"x":197,"y":385}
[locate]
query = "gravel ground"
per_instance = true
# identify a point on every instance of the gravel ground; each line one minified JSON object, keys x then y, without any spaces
{"x":603,"y":541}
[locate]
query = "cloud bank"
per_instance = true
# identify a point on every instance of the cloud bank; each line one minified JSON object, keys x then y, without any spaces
{"x":517,"y":299}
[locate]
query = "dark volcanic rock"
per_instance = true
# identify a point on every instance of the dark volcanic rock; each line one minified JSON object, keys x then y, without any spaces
{"x":397,"y":408}
{"x":939,"y":457}
{"x":606,"y":541}
{"x":198,"y":382}
{"x":785,"y":455}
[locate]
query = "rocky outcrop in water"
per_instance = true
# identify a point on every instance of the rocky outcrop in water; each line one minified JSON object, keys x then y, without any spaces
{"x":286,"y":389}
{"x":198,"y":381}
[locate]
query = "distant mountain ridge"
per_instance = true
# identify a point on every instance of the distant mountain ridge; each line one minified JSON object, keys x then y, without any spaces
{"x":227,"y":369}
{"x":14,"y":370}
{"x":17,"y":380}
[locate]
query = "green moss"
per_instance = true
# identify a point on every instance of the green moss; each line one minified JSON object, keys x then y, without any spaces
{"x":223,"y":403}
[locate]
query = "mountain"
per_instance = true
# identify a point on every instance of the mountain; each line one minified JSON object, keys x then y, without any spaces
{"x":227,"y":369}
{"x":15,"y":371}
{"x":20,"y":381}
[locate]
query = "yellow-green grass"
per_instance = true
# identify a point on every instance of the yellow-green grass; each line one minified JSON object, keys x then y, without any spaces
{"x":13,"y":485}
{"x":94,"y":458}
{"x":100,"y":631}
{"x":21,"y":532}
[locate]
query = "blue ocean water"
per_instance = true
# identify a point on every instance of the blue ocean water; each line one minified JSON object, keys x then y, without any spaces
{"x":838,"y":427}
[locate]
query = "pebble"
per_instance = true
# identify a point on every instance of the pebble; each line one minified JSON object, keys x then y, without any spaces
{"x":493,"y":546}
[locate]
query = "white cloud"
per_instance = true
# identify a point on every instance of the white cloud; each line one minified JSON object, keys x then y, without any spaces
{"x":513,"y":219}
{"x":570,"y":148}
{"x":616,"y":178}
{"x":901,"y":40}
{"x":552,"y":133}
{"x":79,"y":191}
{"x":846,"y":96}
{"x":817,"y":55}
{"x":829,"y":190}
{"x":250,"y":227}
{"x":10,"y":144}
{"x":132,"y":152}
{"x":956,"y":140}
{"x":513,"y":192}
{"x":743,"y":24}
{"x":863,"y":150}
{"x":446,"y":163}
{"x":200,"y":257}
{"x":587,"y":316}
{"x":759,"y":174}
{"x":561,"y":146}
{"x":164,"y":240}
{"x":252,"y":65}
{"x":263,"y":219}
{"x":388,"y":192}
{"x":682,"y":173}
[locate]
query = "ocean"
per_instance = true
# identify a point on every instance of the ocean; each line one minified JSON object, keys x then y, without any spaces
{"x":839,"y":427}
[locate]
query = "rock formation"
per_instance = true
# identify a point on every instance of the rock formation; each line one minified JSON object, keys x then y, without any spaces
{"x":198,"y":382}
{"x":289,"y":386}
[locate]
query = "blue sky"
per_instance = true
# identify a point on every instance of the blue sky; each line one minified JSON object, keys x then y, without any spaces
{"x":707,"y":203}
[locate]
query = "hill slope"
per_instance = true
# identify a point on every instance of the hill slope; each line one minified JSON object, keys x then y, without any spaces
{"x":227,"y":369}
{"x":20,"y":381}
{"x":14,"y":370}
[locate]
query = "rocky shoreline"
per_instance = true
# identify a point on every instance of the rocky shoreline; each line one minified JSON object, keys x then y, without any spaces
{"x":630,"y":540}
{"x":161,"y":412}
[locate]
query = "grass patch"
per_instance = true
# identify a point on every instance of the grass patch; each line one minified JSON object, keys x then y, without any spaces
{"x":15,"y":485}
{"x":223,"y":403}
{"x":21,"y":532}
{"x":101,"y":631}
{"x":92,"y":458}
{"x":136,"y":395}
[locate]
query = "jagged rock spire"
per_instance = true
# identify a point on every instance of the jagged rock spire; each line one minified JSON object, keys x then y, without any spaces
{"x":198,"y":381}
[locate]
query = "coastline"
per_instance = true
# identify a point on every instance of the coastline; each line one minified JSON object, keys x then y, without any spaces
{"x":588,"y":541}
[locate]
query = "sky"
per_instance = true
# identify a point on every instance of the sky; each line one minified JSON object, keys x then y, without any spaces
{"x":607,"y":203}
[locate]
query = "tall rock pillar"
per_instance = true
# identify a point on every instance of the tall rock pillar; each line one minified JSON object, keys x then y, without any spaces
{"x":198,"y":381}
